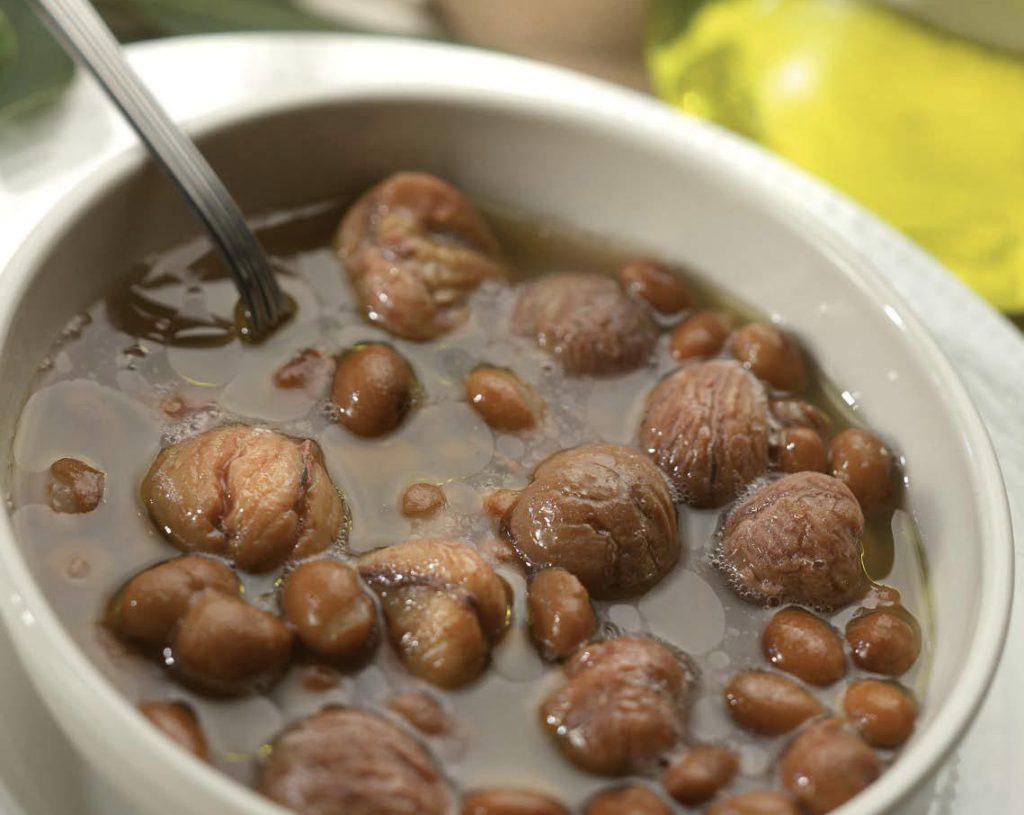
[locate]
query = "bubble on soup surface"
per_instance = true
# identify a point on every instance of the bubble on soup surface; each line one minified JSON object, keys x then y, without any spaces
{"x":795,"y":540}
{"x":253,"y":495}
{"x":414,"y":250}
{"x":585,"y":322}
{"x":602,"y":512}
{"x":706,"y":427}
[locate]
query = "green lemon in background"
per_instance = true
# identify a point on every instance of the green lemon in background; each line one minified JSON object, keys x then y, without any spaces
{"x":924,"y":128}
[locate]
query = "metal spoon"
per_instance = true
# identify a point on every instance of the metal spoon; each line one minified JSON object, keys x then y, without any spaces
{"x":84,"y":36}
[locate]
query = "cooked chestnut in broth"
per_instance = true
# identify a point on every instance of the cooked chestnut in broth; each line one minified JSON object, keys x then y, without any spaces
{"x":796,"y":540}
{"x":586,"y":322}
{"x":176,"y":721}
{"x":414,"y":250}
{"x":348,"y":762}
{"x":706,"y":427}
{"x":627,"y":801}
{"x":252,"y":495}
{"x":622,"y":707}
{"x":477,"y":530}
{"x":603,"y":513}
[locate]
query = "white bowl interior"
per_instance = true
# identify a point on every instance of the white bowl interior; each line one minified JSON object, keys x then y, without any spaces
{"x":620,"y":180}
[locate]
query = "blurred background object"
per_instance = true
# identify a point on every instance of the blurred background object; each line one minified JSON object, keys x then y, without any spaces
{"x":912,"y":107}
{"x":916,"y":122}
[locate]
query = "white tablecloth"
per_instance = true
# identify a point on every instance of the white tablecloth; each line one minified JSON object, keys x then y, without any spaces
{"x":42,"y":157}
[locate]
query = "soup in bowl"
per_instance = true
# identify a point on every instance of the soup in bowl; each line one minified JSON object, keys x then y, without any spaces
{"x":589,"y":473}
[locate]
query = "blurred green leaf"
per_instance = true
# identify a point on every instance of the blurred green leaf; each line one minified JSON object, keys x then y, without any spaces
{"x":33,"y":68}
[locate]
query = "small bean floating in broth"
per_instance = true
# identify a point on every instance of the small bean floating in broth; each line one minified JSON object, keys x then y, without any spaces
{"x":497,"y":523}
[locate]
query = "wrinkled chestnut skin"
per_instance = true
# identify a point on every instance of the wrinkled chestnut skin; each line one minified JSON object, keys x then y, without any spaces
{"x":862,"y":462}
{"x":804,"y":645}
{"x":767,"y":703}
{"x":148,"y":607}
{"x":602,"y":512}
{"x":768,"y":802}
{"x":771,"y":355}
{"x":374,"y":388}
{"x":627,"y":801}
{"x":510,"y":802}
{"x":347,"y":762}
{"x":331,"y":613}
{"x":658,"y":285}
{"x":697,"y":775}
{"x":502,"y":399}
{"x":622,"y":707}
{"x":177,"y":721}
{"x":586,"y":322}
{"x":561,"y":617}
{"x":254,"y":496}
{"x":415,"y":250}
{"x":801,"y":449}
{"x":421,"y":500}
{"x":701,"y":335}
{"x":886,"y":641}
{"x":443,"y":604}
{"x":224,"y":645}
{"x":74,"y":486}
{"x":827,"y":765}
{"x":884,"y":712}
{"x":796,"y":540}
{"x":706,"y":427}
{"x":422,"y":711}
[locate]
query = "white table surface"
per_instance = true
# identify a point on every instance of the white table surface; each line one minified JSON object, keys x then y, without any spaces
{"x":43,"y":157}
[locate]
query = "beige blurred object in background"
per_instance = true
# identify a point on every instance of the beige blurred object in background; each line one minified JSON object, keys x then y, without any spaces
{"x":601,"y":37}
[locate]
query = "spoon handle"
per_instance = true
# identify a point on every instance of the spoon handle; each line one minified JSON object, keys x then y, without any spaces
{"x":86,"y":37}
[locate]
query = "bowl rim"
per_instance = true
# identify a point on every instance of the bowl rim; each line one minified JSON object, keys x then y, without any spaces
{"x":509,"y":83}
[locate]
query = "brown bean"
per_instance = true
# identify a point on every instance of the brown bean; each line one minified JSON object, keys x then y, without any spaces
{"x":502,"y":399}
{"x":627,"y":801}
{"x":421,"y":500}
{"x":827,"y":765}
{"x":699,"y":336}
{"x":802,"y":644}
{"x":884,"y":712}
{"x":771,"y":355}
{"x":561,"y":617}
{"x":696,"y":776}
{"x":798,"y":413}
{"x":767,"y":802}
{"x":659,"y":285}
{"x":801,"y":449}
{"x":307,"y":369}
{"x":886,"y":641}
{"x":510,"y":802}
{"x":374,"y":388}
{"x":147,"y":609}
{"x":422,"y":711}
{"x":318,"y":678}
{"x":331,"y":613}
{"x":225,"y":645}
{"x":865,"y":465}
{"x":74,"y":486}
{"x":177,"y":721}
{"x":497,"y":504}
{"x":767,"y":703}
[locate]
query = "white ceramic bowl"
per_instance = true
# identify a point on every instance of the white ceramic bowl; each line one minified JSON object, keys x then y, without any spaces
{"x":616,"y":164}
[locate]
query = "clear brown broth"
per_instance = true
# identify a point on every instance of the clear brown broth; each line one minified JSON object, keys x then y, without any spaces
{"x":97,"y":397}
